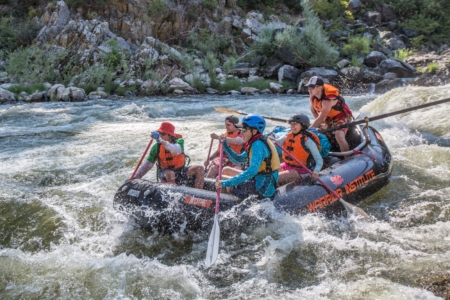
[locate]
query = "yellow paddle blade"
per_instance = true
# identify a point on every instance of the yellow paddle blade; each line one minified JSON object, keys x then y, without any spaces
{"x":225,"y":110}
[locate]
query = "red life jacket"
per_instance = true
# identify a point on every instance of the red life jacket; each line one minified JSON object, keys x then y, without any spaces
{"x":295,"y":145}
{"x":339,"y":111}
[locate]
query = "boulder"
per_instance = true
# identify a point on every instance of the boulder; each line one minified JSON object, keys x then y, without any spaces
{"x":387,"y":85}
{"x":289,"y":73}
{"x":400,"y":68}
{"x":179,"y":84}
{"x":6,"y":96}
{"x":374,"y":58}
{"x":276,"y":88}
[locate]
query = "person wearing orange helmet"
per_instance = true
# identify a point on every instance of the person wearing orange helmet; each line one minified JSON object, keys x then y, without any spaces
{"x":168,"y":154}
{"x":329,"y":107}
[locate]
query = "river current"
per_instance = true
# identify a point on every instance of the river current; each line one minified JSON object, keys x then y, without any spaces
{"x":61,"y":238}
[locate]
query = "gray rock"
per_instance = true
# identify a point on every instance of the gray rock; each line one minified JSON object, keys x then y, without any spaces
{"x":211,"y":91}
{"x":372,"y":18}
{"x":355,"y":6}
{"x":343,"y":63}
{"x":387,"y":85}
{"x":374,"y":58}
{"x":276,"y":88}
{"x":401,"y":69}
{"x":289,"y":73}
{"x":266,"y":92}
{"x":6,"y":96}
{"x":249,"y":90}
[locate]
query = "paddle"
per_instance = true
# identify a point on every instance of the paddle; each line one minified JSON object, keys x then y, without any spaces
{"x":227,"y":110}
{"x":214,"y":238}
{"x":142,"y":157}
{"x":209,"y":151}
{"x":349,"y":207}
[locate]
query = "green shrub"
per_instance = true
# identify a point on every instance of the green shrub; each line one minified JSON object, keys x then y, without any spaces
{"x":402,"y":54}
{"x":86,"y":5}
{"x":15,"y":33}
{"x":198,"y":84}
{"x":230,"y":84}
{"x":357,"y":46}
{"x":260,"y":84}
{"x":355,"y":62}
{"x":29,"y":89}
{"x":310,"y":46}
{"x":210,"y":63}
{"x":121,"y":90}
{"x":35,"y":65}
{"x":265,"y":43}
{"x":329,"y":10}
{"x":157,"y":8}
{"x":210,"y":4}
{"x":432,"y":67}
{"x":229,"y":65}
{"x":115,"y":57}
{"x":205,"y":41}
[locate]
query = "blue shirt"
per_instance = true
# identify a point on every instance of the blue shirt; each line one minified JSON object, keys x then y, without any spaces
{"x":264,"y":183}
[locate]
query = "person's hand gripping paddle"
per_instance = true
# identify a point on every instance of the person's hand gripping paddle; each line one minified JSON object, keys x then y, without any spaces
{"x":214,"y":238}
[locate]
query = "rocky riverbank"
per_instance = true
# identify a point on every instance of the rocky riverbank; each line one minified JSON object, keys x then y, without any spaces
{"x":139,"y":45}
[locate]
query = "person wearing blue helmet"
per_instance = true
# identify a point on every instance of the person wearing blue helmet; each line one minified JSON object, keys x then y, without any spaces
{"x":261,"y":175}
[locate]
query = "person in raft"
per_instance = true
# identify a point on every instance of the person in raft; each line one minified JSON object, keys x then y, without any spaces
{"x":234,"y":139}
{"x":168,"y":153}
{"x":261,"y":176}
{"x":303,"y":145}
{"x":329,"y":107}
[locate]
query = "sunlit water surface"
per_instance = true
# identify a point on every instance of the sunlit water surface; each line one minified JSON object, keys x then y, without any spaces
{"x":60,"y":238}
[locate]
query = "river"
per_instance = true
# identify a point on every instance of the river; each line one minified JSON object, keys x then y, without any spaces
{"x":61,"y":238}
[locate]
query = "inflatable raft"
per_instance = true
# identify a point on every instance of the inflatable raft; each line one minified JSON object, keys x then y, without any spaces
{"x":166,"y":208}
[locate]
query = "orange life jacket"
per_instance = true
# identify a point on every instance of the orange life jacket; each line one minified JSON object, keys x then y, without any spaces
{"x":295,"y":145}
{"x":235,"y":148}
{"x":340,"y":110}
{"x":167,"y":161}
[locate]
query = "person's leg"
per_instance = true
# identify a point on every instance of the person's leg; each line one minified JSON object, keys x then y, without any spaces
{"x":340,"y":139}
{"x":212,"y":172}
{"x":230,"y":172}
{"x":286,"y":176}
{"x":197,"y":172}
{"x":170,"y":176}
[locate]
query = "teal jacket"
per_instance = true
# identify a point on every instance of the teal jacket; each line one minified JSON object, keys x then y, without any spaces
{"x":265,"y":184}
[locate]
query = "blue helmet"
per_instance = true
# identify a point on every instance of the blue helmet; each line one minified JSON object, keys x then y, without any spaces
{"x":254,"y":121}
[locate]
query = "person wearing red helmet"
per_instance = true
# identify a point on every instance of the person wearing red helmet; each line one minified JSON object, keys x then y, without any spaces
{"x":168,"y":154}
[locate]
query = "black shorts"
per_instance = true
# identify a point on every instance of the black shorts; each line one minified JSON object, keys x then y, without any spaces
{"x":245,"y":189}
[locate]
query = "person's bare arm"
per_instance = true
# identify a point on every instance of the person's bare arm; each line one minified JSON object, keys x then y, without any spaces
{"x":235,"y":141}
{"x":326,"y":108}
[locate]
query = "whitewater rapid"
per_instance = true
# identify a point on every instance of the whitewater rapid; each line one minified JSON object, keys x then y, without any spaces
{"x":60,"y":237}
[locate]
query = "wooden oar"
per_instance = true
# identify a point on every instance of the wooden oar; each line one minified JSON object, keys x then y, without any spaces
{"x":374,"y":118}
{"x":142,"y":157}
{"x":349,"y":207}
{"x":214,"y":237}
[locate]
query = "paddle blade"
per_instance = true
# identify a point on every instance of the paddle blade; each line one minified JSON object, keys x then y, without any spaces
{"x":352,"y":209}
{"x":213,"y":244}
{"x":225,"y":110}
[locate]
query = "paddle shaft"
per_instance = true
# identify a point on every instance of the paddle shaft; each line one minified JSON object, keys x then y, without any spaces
{"x":308,"y":170}
{"x":142,"y":158}
{"x":374,"y":118}
{"x":210,"y":147}
{"x":220,"y":177}
{"x":382,"y":116}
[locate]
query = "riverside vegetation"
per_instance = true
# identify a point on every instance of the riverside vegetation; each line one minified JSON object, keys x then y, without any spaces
{"x":73,"y":50}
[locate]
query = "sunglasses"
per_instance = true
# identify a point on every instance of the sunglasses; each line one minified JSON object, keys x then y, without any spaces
{"x":245,"y":129}
{"x":163,"y":134}
{"x":311,"y":87}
